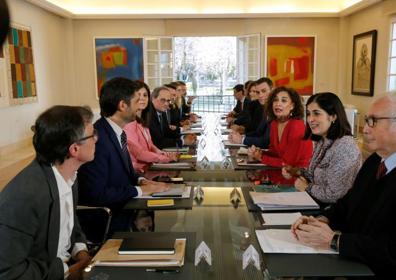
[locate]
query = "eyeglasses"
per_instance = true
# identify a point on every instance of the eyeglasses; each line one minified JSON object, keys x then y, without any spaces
{"x":93,"y":135}
{"x":163,"y":100}
{"x":372,"y":121}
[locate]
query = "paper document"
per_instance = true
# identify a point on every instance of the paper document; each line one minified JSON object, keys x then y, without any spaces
{"x":242,"y":151}
{"x":181,"y":191}
{"x":173,"y":165}
{"x":192,"y":131}
{"x":283,"y":241}
{"x":175,"y":149}
{"x":226,"y":130}
{"x":283,"y":201}
{"x":229,"y":144}
{"x":278,"y":219}
{"x":244,"y":162}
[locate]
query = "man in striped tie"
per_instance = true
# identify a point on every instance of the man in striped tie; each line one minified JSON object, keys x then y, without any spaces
{"x":360,"y":225}
{"x":110,"y":180}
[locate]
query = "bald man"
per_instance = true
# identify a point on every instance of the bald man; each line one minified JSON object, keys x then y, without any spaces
{"x":361,"y":225}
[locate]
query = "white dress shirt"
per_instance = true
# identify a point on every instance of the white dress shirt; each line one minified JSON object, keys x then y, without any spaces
{"x":66,"y":220}
{"x":118,"y":131}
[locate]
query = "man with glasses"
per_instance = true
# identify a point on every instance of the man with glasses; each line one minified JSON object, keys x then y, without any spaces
{"x":160,"y":132}
{"x":361,"y":225}
{"x":40,"y":237}
{"x":110,"y":180}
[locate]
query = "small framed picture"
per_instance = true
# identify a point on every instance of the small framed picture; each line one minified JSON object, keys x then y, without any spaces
{"x":363,"y":63}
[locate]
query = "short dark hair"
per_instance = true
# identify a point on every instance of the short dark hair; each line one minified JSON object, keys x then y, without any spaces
{"x":298,"y":110}
{"x":181,"y":83}
{"x":56,"y":129}
{"x":4,"y":21}
{"x":171,"y":85}
{"x":116,"y":90}
{"x":145,"y":116}
{"x":332,"y":105}
{"x":265,"y":80}
{"x":238,"y":87}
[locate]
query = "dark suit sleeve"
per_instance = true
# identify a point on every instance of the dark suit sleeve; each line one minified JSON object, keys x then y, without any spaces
{"x":260,"y":137}
{"x":160,"y":140}
{"x":22,"y":214}
{"x":102,"y":182}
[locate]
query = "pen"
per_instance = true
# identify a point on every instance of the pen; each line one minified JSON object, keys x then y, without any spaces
{"x":162,"y":270}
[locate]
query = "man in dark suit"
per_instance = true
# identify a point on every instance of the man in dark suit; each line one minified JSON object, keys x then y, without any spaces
{"x":110,"y":180}
{"x":161,"y":134}
{"x":359,"y":226}
{"x":240,"y":114}
{"x":39,"y":230}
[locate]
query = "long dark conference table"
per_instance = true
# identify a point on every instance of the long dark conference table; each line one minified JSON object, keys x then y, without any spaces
{"x":226,"y":226}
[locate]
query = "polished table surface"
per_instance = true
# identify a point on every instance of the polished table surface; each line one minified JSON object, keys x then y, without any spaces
{"x":227,"y":228}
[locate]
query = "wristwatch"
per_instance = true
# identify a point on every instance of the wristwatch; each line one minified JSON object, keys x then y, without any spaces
{"x":334,"y":241}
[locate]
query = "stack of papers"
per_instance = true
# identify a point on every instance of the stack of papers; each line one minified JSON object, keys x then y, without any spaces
{"x":226,"y":130}
{"x":283,"y":241}
{"x":192,"y":131}
{"x":229,"y":144}
{"x":280,"y":219}
{"x":283,"y":201}
{"x":182,"y":150}
{"x":172,"y":165}
{"x":242,"y":151}
{"x":245,"y":162}
{"x":108,"y":256}
{"x":181,"y":191}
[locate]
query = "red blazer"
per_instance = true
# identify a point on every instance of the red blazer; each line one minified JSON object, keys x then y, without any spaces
{"x":291,"y":149}
{"x":141,"y":147}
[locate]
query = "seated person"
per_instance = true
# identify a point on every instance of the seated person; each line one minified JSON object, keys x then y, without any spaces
{"x":110,"y":179}
{"x":39,"y":231}
{"x":240,"y":114}
{"x":141,"y":148}
{"x":260,"y":136}
{"x":181,"y":89}
{"x":287,"y":146}
{"x":336,"y":159}
{"x":161,"y":134}
{"x":359,"y":225}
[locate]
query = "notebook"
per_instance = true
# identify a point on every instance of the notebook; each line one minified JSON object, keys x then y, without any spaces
{"x":147,"y":246}
{"x":173,"y":192}
{"x":283,"y":201}
{"x":160,"y":202}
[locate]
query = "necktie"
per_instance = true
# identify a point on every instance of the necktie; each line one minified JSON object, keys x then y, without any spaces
{"x":160,"y":121}
{"x":381,"y":171}
{"x":124,"y":146}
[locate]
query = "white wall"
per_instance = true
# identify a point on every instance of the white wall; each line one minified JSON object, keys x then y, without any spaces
{"x":49,"y":35}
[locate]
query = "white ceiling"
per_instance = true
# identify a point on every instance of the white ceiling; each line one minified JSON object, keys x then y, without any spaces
{"x":201,"y":8}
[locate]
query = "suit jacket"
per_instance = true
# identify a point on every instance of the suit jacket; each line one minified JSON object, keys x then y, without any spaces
{"x":29,"y":226}
{"x":161,"y":134}
{"x":365,"y":216}
{"x":141,"y":148}
{"x":256,"y":114}
{"x":109,"y":180}
{"x":259,"y":137}
{"x":243,"y":116}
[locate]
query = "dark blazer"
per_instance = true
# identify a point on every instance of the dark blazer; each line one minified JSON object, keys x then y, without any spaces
{"x":29,"y":226}
{"x":260,"y":137}
{"x":243,"y":116}
{"x":256,"y":114}
{"x":185,"y":109}
{"x":365,"y":216}
{"x":109,"y":180}
{"x":162,"y":137}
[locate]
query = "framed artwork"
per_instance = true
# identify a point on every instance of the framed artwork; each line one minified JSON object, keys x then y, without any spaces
{"x":20,"y":66}
{"x":290,"y":62}
{"x":118,"y":57}
{"x":363,"y":63}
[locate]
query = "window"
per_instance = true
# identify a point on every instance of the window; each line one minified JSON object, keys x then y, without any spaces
{"x":392,"y":58}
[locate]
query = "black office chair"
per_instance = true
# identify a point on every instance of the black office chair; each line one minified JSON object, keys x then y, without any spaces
{"x":95,"y":223}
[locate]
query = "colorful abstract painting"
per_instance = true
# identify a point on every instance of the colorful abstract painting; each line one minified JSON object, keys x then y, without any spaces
{"x":22,"y":78}
{"x":118,"y":57}
{"x":290,"y":62}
